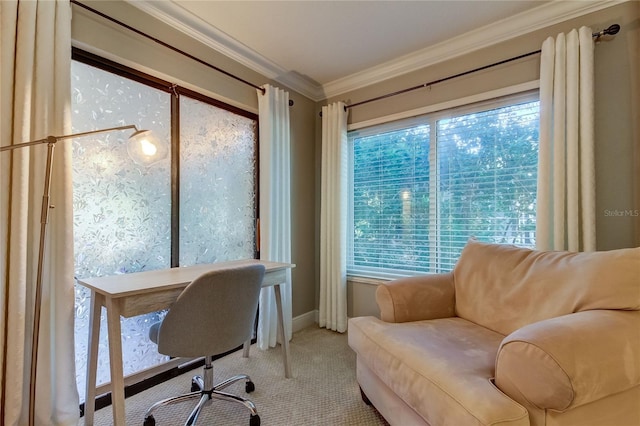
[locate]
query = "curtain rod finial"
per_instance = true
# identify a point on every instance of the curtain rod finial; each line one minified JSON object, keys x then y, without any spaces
{"x":612,"y":30}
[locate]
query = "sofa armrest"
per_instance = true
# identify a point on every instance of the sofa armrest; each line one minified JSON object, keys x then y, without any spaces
{"x":417,"y":298}
{"x":568,"y":361}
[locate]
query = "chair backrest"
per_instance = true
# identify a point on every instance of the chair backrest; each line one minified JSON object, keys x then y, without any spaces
{"x":213,"y":314}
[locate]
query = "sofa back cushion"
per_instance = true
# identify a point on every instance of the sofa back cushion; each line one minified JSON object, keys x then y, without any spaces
{"x":503,"y":287}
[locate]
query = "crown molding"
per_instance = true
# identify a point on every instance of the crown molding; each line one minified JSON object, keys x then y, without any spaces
{"x":518,"y":25}
{"x":521,"y":24}
{"x":177,"y":17}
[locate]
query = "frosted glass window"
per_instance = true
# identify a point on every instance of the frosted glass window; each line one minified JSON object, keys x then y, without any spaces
{"x":123,"y":216}
{"x":122,"y":211}
{"x":217,"y":184}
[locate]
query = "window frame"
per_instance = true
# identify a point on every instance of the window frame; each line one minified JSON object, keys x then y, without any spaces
{"x":176,"y":91}
{"x":141,"y":380}
{"x":427,"y":116}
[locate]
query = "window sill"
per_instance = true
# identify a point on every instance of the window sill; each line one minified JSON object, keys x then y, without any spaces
{"x":366,"y":280}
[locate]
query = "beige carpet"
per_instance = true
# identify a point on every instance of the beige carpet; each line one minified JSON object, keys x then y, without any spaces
{"x":323,"y":390}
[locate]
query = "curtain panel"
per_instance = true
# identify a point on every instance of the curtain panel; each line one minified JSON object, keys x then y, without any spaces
{"x":275,"y":207}
{"x":333,"y":218}
{"x":35,"y":61}
{"x":565,"y":217}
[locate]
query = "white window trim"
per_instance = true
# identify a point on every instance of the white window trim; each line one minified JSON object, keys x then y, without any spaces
{"x":523,"y":92}
{"x":492,"y":94}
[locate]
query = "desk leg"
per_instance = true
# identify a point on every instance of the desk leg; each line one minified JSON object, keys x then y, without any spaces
{"x":283,"y":339}
{"x":245,"y":348}
{"x":97,"y":301}
{"x":115,"y":361}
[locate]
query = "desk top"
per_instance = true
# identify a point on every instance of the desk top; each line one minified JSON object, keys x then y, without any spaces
{"x":149,"y":281}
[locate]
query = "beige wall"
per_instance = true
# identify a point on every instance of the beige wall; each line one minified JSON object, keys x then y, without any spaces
{"x":96,"y":35}
{"x":617,"y":115}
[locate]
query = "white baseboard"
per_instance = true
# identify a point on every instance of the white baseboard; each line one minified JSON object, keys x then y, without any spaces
{"x":304,"y":320}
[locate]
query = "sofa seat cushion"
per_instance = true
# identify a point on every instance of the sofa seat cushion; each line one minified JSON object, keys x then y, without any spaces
{"x":442,"y":368}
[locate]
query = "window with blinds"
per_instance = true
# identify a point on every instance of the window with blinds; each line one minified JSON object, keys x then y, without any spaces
{"x":422,"y":187}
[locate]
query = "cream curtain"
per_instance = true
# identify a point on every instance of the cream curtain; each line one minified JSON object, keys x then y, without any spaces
{"x":35,"y":99}
{"x":333,"y":219}
{"x":275,"y":206}
{"x":566,"y":170}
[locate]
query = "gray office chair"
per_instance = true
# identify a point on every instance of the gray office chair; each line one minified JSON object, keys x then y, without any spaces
{"x":214,"y":314}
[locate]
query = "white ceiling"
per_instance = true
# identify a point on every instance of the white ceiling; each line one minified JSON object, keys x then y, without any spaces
{"x":324,"y":48}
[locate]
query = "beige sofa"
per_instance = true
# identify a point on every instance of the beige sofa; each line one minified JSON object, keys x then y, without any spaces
{"x":510,"y":337}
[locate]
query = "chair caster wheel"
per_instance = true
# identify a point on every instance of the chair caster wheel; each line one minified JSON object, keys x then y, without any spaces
{"x":195,"y":387}
{"x":250,"y":387}
{"x":254,"y":420}
{"x":150,"y":421}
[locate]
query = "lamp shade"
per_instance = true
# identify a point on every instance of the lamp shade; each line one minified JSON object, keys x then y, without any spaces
{"x":145,"y":149}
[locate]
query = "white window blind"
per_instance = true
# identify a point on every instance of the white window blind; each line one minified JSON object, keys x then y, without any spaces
{"x":391,"y":200}
{"x":487,"y":176}
{"x":422,"y":187}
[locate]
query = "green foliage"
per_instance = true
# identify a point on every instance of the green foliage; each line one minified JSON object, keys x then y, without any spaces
{"x":481,"y":182}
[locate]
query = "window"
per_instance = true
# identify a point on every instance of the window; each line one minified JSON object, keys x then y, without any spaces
{"x":422,"y":187}
{"x":198,"y":206}
{"x":217,"y":184}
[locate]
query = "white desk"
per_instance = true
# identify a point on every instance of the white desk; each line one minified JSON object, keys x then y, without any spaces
{"x":139,"y":293}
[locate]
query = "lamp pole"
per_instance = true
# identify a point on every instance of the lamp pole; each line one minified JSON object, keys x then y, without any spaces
{"x":44,"y":219}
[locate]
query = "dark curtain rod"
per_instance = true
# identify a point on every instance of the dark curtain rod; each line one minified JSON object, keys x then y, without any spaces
{"x":168,"y":46}
{"x":612,"y":30}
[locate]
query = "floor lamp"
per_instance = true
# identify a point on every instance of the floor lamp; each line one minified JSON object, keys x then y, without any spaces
{"x":143,"y":148}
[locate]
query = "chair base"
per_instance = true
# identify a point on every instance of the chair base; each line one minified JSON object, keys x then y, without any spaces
{"x":203,"y":392}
